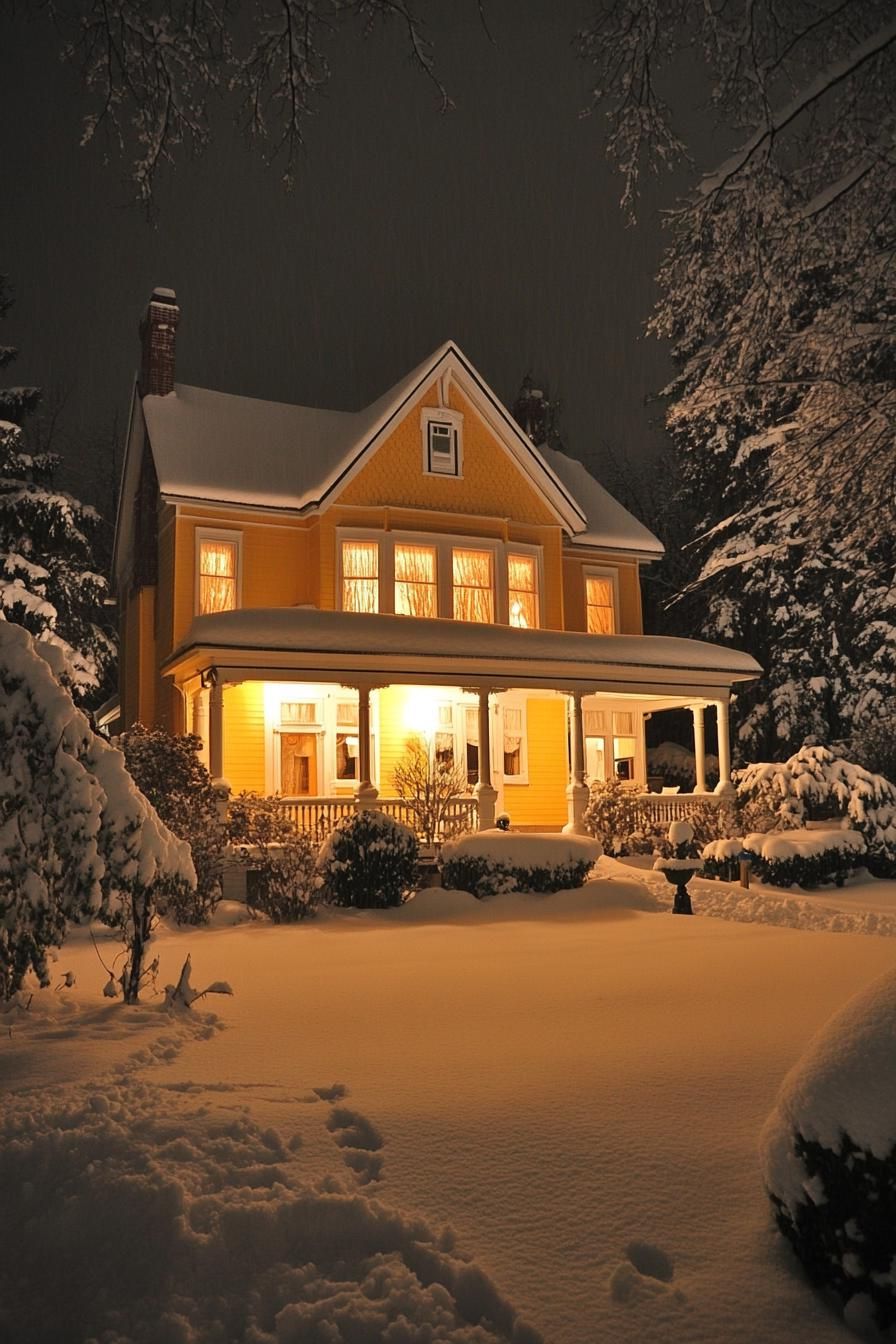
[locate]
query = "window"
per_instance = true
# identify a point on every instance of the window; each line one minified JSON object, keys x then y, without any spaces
{"x":415,"y":580}
{"x":218,"y":562}
{"x":513,"y":742}
{"x":346,"y":739}
{"x":360,"y":576}
{"x":600,"y":603}
{"x":471,"y":725}
{"x":522,"y":591}
{"x":443,"y":739}
{"x":442,"y":451}
{"x":298,"y":711}
{"x":298,"y":746}
{"x":474,"y":598}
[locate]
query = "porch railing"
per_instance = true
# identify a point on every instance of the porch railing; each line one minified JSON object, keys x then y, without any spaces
{"x":318,"y":816}
{"x":664,"y":808}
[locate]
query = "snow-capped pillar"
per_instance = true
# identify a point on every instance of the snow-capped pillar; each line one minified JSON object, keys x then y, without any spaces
{"x":365,"y":792}
{"x":724,"y":785}
{"x":699,"y":749}
{"x":200,"y":722}
{"x":577,"y":790}
{"x":486,"y":796}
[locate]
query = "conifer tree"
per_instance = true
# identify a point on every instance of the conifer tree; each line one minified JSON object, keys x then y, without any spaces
{"x":48,"y":541}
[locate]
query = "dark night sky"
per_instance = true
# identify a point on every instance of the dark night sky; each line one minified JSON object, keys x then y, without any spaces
{"x":497,"y":225}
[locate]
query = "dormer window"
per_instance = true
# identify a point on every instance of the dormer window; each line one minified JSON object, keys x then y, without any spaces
{"x":442,"y":441}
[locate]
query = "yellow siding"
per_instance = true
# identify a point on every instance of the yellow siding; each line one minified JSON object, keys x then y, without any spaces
{"x":629,"y":615}
{"x":244,"y":736}
{"x":492,"y":483}
{"x":394,"y":732}
{"x":542,"y":802}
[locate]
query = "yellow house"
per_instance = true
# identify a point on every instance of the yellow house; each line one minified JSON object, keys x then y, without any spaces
{"x":308,"y":589}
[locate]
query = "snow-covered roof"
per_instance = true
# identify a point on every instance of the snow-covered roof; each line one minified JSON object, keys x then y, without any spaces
{"x":452,"y":649}
{"x":240,"y":450}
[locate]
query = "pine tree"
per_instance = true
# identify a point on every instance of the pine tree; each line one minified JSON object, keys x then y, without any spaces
{"x":48,"y":540}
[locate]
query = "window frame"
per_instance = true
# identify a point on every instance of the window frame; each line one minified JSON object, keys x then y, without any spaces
{"x":442,"y":415}
{"x":203,"y":534}
{"x":601,"y":572}
{"x":354,"y":536}
{"x":536,"y":553}
{"x":514,"y":700}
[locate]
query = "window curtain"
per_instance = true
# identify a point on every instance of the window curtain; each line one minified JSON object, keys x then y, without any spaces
{"x":472,"y":578}
{"x":521,"y":593}
{"x":415,"y":581}
{"x":599,"y":601}
{"x":594,"y":722}
{"x":513,"y":740}
{"x":471,"y":716}
{"x":217,"y":576}
{"x":298,"y":711}
{"x":360,"y":576}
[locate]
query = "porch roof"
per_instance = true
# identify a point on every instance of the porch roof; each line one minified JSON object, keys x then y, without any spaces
{"x":298,"y":642}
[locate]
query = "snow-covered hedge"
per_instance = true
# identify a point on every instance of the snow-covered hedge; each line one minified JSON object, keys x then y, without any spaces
{"x":77,"y":838}
{"x":493,"y":861}
{"x":828,"y":1156}
{"x":369,"y":861}
{"x":786,"y":858}
{"x":814,"y":784}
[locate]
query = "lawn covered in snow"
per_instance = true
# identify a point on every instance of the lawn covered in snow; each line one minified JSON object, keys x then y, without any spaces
{"x":529,"y":1118}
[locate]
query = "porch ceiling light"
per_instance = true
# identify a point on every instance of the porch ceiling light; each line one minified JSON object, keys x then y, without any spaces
{"x":421,"y":713}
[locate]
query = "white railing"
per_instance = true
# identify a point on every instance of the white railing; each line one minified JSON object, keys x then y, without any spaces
{"x":318,"y":816}
{"x":664,"y":808}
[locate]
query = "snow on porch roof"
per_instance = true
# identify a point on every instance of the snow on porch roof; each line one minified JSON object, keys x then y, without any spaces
{"x":355,"y":639}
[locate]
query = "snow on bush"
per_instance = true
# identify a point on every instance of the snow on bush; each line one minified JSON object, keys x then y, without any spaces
{"x":677,"y":765}
{"x":77,"y":838}
{"x":616,"y":818}
{"x":369,"y":861}
{"x":154,"y":1218}
{"x":786,"y":858}
{"x":814,"y":784}
{"x":828,"y":1154}
{"x":282,"y":880}
{"x":493,"y":861}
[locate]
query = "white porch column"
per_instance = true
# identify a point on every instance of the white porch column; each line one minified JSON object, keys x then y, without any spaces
{"x":200,"y":722}
{"x":724,"y":785}
{"x":699,"y":748}
{"x":365,"y":792}
{"x":483,"y":791}
{"x":216,"y":745}
{"x":577,"y":790}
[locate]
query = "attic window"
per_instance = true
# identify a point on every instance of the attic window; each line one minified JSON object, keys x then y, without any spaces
{"x":442,"y":441}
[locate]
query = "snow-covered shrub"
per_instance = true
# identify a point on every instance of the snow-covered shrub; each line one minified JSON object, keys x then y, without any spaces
{"x":616,"y":818}
{"x":369,"y":861}
{"x":805,"y":858}
{"x":816,"y":785}
{"x":281,"y":873}
{"x":828,"y":1156}
{"x":493,"y":861}
{"x":167,"y":770}
{"x":721,"y":858}
{"x":677,"y":765}
{"x":77,"y":838}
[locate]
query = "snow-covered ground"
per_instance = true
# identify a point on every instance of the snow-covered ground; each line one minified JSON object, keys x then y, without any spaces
{"x":541,"y":1112}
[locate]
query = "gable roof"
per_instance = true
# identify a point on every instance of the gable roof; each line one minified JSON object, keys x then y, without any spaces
{"x":227,"y":449}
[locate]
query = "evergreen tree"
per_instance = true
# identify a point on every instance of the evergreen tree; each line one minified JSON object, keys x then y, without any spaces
{"x":48,"y":541}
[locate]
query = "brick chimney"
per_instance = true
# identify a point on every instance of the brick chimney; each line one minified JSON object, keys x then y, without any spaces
{"x":157,"y":334}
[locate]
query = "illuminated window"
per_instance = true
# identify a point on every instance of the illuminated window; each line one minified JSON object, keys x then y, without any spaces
{"x":443,"y":739}
{"x":471,"y":722}
{"x":600,"y":604}
{"x":513,"y":741}
{"x":360,"y":576}
{"x":299,"y":711}
{"x":347,"y":739}
{"x":522,"y":591}
{"x":415,"y":580}
{"x":218,"y":565}
{"x":474,"y":598}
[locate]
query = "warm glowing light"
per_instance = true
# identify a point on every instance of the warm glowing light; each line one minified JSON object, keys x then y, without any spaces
{"x":421,"y":712}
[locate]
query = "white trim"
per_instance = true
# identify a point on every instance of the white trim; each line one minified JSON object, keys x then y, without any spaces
{"x":217,"y":534}
{"x":442,"y":415}
{"x":602,"y":572}
{"x":537,"y":553}
{"x":514,"y":700}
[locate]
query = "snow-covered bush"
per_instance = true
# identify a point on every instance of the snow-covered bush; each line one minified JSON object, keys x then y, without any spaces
{"x":721,"y":858}
{"x":828,"y":1156}
{"x":493,"y":861}
{"x":167,"y":770}
{"x":282,"y":881}
{"x":789,"y":858}
{"x":677,"y":765}
{"x":873,"y":744}
{"x":77,"y":838}
{"x":816,"y":785}
{"x":616,"y":818}
{"x":369,"y":861}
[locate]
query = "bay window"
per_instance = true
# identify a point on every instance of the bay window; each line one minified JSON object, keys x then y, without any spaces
{"x":600,"y":604}
{"x":415,"y":580}
{"x":360,"y":576}
{"x":522,"y":590}
{"x":472,"y":585}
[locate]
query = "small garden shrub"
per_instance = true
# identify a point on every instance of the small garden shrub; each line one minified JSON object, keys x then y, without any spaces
{"x":616,"y":818}
{"x":282,"y":881}
{"x":369,"y":861}
{"x":490,"y":862}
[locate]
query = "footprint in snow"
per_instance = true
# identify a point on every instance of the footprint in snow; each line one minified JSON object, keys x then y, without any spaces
{"x":360,"y":1141}
{"x":646,"y":1273}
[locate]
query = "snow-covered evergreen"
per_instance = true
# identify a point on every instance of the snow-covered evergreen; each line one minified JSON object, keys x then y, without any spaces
{"x":77,"y":839}
{"x":48,"y":544}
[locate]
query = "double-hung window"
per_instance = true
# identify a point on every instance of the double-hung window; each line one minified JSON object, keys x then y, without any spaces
{"x":473,"y":585}
{"x":522,"y":590}
{"x":600,"y":604}
{"x":416,"y":593}
{"x":218,"y":571}
{"x":360,"y":576}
